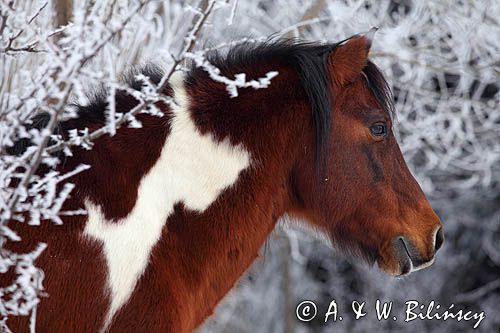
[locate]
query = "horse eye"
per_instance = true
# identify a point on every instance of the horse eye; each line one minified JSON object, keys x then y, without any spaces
{"x":379,"y":129}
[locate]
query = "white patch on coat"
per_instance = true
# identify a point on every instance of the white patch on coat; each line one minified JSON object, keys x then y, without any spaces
{"x":192,"y":168}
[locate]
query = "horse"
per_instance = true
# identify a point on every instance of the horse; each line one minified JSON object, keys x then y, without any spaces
{"x":178,"y":209}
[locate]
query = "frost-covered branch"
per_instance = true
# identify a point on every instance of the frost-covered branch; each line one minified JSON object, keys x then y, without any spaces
{"x":70,"y":57}
{"x":441,"y":59}
{"x":232,"y":85}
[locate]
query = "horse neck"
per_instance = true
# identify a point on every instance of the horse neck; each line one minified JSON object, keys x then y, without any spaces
{"x":197,"y":201}
{"x":207,"y":252}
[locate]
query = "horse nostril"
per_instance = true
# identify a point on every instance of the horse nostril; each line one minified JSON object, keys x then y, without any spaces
{"x":439,"y":239}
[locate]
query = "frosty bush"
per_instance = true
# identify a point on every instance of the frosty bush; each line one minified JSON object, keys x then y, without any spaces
{"x":44,"y":68}
{"x":441,"y":58}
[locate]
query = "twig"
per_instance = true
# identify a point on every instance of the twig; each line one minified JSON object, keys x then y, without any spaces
{"x":310,"y":14}
{"x":36,"y":157}
{"x":188,"y":47}
{"x":12,"y":39}
{"x":233,"y":13}
{"x":474,"y":71}
{"x":479,"y":292}
{"x":303,"y":24}
{"x":115,"y":32}
{"x":191,"y":41}
{"x":30,"y":47}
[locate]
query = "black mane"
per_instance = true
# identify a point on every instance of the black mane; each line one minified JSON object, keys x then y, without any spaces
{"x":310,"y":61}
{"x":95,"y":110}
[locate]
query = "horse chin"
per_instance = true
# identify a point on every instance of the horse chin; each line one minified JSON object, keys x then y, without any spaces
{"x":397,"y":266}
{"x":396,"y":270}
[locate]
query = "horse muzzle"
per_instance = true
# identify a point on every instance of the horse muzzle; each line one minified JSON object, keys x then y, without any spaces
{"x":408,"y":258}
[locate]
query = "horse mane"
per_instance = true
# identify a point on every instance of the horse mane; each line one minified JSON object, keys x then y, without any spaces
{"x":95,"y":111}
{"x":308,"y":59}
{"x":310,"y":62}
{"x":379,"y":87}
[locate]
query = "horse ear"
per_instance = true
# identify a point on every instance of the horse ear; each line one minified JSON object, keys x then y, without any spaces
{"x":350,"y":57}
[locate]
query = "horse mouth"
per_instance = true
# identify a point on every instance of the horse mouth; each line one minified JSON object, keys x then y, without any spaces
{"x":406,"y":259}
{"x":405,"y":262}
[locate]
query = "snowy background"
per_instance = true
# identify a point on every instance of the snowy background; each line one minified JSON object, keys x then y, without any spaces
{"x":442,"y":59}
